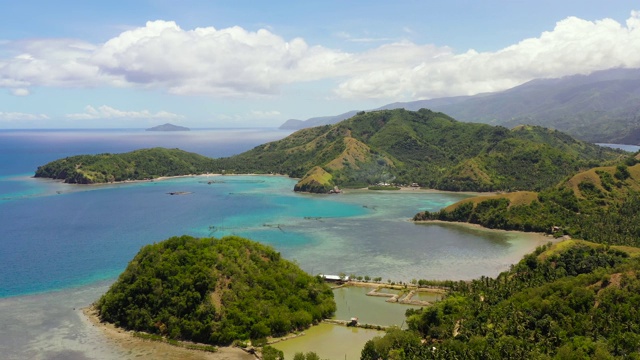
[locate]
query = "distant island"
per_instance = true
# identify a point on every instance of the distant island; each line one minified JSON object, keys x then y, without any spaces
{"x":168,"y":127}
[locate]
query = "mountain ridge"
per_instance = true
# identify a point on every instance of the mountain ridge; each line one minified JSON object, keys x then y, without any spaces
{"x":602,"y":107}
{"x":424,"y":147}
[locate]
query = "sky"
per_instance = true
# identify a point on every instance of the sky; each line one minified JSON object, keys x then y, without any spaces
{"x":219,"y":64}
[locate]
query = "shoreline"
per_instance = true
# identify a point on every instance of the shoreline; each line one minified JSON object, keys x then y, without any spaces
{"x":480,"y":227}
{"x":161,"y":178}
{"x":148,"y":349}
{"x":435,"y":191}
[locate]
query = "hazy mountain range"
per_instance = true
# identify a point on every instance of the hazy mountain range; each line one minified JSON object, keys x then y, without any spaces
{"x":600,"y":107}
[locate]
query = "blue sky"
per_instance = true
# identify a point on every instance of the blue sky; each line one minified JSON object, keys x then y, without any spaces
{"x":86,"y":64}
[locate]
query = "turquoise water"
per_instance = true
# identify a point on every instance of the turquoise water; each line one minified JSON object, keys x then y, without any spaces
{"x":64,"y":236}
{"x":62,"y":245}
{"x":89,"y":233}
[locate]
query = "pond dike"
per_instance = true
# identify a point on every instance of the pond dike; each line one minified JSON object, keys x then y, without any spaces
{"x":399,"y":298}
{"x":404,"y":297}
{"x":357,"y":324}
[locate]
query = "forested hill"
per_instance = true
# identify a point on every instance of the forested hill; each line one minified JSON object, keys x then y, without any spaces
{"x":136,"y":165}
{"x":214,"y":291}
{"x":600,"y":205}
{"x":387,"y":146}
{"x":424,"y":147}
{"x":571,"y":300}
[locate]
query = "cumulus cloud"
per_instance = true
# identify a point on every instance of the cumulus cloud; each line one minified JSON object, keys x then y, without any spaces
{"x":260,"y":114}
{"x":18,"y":116}
{"x":107,"y":112}
{"x":250,"y":115}
{"x":237,"y":62}
{"x":20,"y":92}
{"x":574,"y":46}
{"x":230,"y":61}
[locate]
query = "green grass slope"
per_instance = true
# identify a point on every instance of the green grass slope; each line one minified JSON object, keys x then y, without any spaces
{"x":387,"y":146}
{"x":428,"y":148}
{"x":214,"y":291}
{"x":601,"y":204}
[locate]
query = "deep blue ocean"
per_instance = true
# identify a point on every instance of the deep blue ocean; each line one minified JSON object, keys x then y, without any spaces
{"x":55,"y":235}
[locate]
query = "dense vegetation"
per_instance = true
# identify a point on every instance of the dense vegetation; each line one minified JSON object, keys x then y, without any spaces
{"x":423,"y":147}
{"x":214,"y":291}
{"x":390,"y":146}
{"x":600,"y":205}
{"x":572,"y":300}
{"x":136,"y":165}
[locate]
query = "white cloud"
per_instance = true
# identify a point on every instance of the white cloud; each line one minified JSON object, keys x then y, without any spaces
{"x":230,"y":61}
{"x":237,"y":62}
{"x":107,"y":112}
{"x":362,"y":39}
{"x":18,"y":116}
{"x":251,"y":115}
{"x":260,"y":114}
{"x":226,"y":62}
{"x":20,"y":91}
{"x":574,"y":46}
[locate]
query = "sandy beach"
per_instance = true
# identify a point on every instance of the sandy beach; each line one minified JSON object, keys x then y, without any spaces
{"x":541,"y":237}
{"x":137,"y":348}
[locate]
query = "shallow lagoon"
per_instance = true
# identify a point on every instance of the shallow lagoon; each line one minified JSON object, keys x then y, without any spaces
{"x":62,"y":245}
{"x":86,"y":235}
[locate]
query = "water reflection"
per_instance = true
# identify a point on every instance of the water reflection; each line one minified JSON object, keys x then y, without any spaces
{"x":374,"y":310}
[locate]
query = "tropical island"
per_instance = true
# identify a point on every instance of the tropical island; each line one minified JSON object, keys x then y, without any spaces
{"x":570,"y":299}
{"x":168,"y":127}
{"x":391,"y":146}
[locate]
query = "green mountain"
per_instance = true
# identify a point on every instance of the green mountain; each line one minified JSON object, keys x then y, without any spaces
{"x":136,"y":165}
{"x":601,"y":107}
{"x":423,"y":147}
{"x":601,"y":205}
{"x":570,"y":300}
{"x":399,"y":146}
{"x":214,"y":291}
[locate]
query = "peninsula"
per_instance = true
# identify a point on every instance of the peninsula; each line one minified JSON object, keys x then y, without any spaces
{"x":144,"y":164}
{"x":423,"y":148}
{"x":214,"y":291}
{"x":600,"y":205}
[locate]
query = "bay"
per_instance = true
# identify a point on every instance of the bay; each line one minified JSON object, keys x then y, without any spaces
{"x":62,"y":245}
